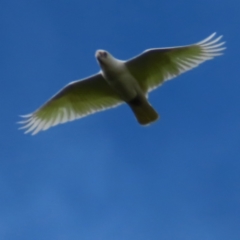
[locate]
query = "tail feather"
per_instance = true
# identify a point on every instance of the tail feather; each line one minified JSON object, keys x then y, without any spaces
{"x":143,"y":111}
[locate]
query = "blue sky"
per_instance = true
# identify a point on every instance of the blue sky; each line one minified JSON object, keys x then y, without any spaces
{"x":105,"y":176}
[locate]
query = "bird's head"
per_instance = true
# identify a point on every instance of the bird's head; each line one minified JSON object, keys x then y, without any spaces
{"x":103,"y":57}
{"x":107,"y":62}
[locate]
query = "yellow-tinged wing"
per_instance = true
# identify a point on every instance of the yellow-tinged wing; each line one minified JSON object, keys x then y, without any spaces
{"x":76,"y":100}
{"x":154,"y":66}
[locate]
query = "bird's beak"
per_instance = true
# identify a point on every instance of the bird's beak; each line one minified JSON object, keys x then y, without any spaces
{"x":98,"y":56}
{"x":100,"y":60}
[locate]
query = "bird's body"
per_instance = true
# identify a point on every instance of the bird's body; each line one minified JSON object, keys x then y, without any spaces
{"x":121,"y":82}
{"x":119,"y":78}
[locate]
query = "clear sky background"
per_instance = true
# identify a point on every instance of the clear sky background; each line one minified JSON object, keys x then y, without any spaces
{"x":105,"y":176}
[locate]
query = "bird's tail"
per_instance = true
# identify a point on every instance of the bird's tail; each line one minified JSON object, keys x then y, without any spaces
{"x":143,"y":111}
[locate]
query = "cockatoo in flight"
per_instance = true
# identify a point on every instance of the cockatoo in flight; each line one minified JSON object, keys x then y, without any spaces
{"x":121,"y":82}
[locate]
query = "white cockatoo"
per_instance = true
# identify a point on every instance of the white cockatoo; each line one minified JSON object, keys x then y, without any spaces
{"x":121,"y":82}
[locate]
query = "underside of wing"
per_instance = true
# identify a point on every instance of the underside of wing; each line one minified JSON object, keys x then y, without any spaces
{"x":154,"y":66}
{"x":76,"y":100}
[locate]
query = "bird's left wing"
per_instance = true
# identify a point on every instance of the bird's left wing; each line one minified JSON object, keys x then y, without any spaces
{"x":154,"y":66}
{"x":76,"y":100}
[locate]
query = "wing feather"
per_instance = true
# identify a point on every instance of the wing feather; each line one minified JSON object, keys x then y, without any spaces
{"x":76,"y":100}
{"x":155,"y":66}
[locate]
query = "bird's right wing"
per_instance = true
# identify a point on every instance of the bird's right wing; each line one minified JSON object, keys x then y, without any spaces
{"x":154,"y":66}
{"x":76,"y":100}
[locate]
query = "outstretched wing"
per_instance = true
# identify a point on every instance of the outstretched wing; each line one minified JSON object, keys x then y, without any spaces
{"x":76,"y":100}
{"x":154,"y":66}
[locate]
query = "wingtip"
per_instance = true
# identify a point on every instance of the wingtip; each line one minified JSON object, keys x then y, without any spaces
{"x":208,"y":38}
{"x":25,"y":115}
{"x":211,"y":47}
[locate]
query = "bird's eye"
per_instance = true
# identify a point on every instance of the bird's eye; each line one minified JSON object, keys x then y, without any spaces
{"x":104,"y":54}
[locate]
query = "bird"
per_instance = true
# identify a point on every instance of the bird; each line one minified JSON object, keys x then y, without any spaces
{"x":120,"y":82}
